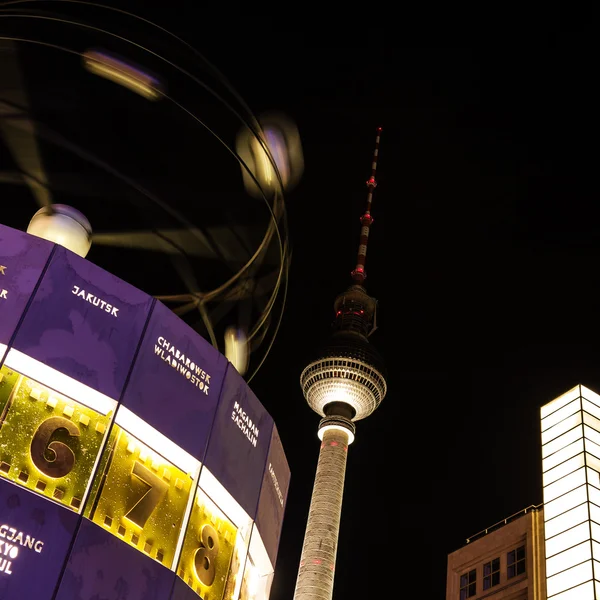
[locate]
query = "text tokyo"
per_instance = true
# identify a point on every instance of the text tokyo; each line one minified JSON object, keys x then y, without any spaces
{"x":10,"y":541}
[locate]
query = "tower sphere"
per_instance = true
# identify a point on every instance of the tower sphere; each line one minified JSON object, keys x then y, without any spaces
{"x":349,"y":371}
{"x":62,"y":225}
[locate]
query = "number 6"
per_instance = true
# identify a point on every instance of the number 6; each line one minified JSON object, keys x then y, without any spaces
{"x":54,"y":459}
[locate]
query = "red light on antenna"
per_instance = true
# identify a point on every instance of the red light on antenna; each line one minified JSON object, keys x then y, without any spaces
{"x":379,"y":129}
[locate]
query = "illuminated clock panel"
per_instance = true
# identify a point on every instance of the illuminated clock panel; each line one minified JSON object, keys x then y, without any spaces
{"x":216,"y":542}
{"x":48,"y":443}
{"x":254,"y":585}
{"x":258,"y":572}
{"x":208,"y":549}
{"x":140,"y":496}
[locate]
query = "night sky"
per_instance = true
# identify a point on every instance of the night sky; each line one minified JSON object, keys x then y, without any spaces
{"x":484,"y":257}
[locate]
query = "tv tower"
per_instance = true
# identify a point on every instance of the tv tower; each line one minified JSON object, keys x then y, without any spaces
{"x":344,"y":384}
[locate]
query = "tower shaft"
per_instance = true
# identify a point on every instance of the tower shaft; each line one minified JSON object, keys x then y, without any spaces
{"x":317,"y":562}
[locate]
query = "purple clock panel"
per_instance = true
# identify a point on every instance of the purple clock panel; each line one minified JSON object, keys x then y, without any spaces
{"x":22,"y":260}
{"x":273,"y":496}
{"x":103,"y":567}
{"x":181,"y":591}
{"x":176,"y":381}
{"x":35,"y":536}
{"x":85,"y":323}
{"x":239,"y":441}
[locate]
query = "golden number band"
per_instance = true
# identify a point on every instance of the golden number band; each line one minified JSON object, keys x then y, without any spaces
{"x":132,"y":491}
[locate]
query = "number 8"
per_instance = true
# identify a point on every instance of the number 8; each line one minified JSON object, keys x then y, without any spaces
{"x":204,"y":559}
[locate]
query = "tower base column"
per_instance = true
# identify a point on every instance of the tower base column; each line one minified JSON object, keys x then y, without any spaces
{"x":317,"y":562}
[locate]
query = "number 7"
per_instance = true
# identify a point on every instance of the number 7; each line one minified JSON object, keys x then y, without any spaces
{"x":145,"y":506}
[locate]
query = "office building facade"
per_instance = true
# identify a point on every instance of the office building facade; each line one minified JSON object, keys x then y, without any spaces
{"x":549,"y":553}
{"x":504,"y":562}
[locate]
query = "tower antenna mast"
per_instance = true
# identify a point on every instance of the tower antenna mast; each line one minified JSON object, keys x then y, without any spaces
{"x":359,"y":274}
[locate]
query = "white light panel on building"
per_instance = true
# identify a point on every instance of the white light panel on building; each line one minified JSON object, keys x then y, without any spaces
{"x":571,"y":480}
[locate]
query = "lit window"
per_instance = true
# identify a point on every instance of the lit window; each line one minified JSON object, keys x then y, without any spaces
{"x":468,"y":585}
{"x":515,"y":562}
{"x":491,"y":573}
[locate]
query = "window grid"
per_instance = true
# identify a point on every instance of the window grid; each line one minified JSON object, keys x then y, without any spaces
{"x":468,"y":584}
{"x":491,"y":573}
{"x":515,"y":562}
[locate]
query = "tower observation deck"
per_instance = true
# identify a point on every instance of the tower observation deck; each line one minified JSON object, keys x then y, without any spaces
{"x":344,"y":384}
